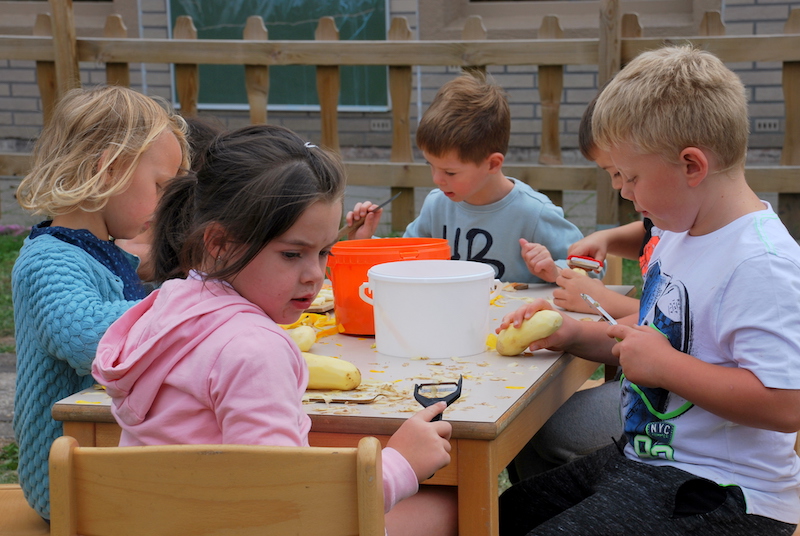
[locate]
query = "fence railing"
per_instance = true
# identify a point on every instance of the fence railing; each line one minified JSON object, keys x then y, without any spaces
{"x":57,"y":53}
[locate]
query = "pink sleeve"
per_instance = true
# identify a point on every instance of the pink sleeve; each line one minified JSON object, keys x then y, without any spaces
{"x":399,"y":479}
{"x":256,"y":388}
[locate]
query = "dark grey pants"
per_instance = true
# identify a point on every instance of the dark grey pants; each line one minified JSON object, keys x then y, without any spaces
{"x":606,"y":494}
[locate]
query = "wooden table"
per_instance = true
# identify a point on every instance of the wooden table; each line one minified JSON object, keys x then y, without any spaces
{"x":505,"y":400}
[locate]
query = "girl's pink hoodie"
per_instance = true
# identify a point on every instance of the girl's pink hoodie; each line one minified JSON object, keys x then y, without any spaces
{"x":195,"y":363}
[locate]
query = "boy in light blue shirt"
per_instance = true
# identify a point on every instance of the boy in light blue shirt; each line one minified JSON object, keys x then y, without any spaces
{"x":484,"y":215}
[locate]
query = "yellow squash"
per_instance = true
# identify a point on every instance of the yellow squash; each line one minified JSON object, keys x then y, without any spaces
{"x":325,"y":372}
{"x":513,"y":341}
{"x":304,"y":336}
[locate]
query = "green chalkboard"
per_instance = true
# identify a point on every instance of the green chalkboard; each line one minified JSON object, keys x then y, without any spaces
{"x":290,"y":86}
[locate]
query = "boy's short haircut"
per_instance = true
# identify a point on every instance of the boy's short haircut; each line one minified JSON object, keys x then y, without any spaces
{"x":469,"y":115}
{"x":585,"y":138}
{"x":675,"y":97}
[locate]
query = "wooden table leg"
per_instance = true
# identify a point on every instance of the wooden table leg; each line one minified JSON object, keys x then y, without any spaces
{"x":477,"y":489}
{"x":83,"y":431}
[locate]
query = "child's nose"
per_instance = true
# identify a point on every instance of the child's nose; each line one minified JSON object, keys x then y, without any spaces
{"x":626,"y":191}
{"x":315,"y":272}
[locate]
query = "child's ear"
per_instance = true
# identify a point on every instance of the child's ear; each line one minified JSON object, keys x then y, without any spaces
{"x":694,"y":164}
{"x":215,"y":240}
{"x":495,"y":161}
{"x":101,"y":163}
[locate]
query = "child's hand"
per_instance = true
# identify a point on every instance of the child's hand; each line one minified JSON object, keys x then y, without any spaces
{"x":539,"y":261}
{"x":570,"y":286}
{"x":425,"y":444}
{"x":556,"y":341}
{"x":594,"y":246}
{"x":371,"y":217}
{"x":643,"y":353}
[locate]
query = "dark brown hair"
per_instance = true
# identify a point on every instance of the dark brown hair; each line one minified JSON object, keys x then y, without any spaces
{"x":254,"y":182}
{"x":469,"y":115}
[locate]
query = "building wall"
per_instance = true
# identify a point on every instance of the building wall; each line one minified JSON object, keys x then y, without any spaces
{"x":20,"y":106}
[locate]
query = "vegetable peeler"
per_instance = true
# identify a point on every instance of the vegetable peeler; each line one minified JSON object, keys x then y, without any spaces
{"x":607,"y":317}
{"x":596,"y":306}
{"x":429,"y":394}
{"x":587,"y":263}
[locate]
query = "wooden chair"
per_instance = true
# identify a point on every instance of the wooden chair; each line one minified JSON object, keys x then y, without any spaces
{"x":17,"y":518}
{"x":216,"y":489}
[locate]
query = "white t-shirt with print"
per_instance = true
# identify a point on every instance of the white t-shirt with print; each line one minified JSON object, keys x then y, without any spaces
{"x":730,"y":298}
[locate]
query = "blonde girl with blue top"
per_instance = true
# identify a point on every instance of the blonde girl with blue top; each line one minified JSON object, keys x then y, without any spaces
{"x":97,"y":174}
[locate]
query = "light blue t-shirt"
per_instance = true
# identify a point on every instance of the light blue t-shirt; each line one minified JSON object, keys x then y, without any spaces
{"x":491,"y":233}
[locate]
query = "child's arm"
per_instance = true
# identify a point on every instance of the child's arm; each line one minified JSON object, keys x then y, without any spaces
{"x":571,"y":285}
{"x":624,"y":241}
{"x":589,"y":340}
{"x":732,"y":393}
{"x":539,"y":261}
{"x":371,"y":216}
{"x":57,"y":289}
{"x":140,"y":246}
{"x":425,"y":444}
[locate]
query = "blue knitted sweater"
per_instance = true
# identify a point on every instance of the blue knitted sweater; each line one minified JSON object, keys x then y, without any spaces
{"x":64,"y":300}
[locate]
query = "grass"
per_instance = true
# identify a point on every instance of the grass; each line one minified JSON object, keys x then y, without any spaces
{"x":9,"y":458}
{"x":11,"y":238}
{"x":632,"y":275}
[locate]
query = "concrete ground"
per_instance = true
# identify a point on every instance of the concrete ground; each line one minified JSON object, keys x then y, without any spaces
{"x":7,"y":378}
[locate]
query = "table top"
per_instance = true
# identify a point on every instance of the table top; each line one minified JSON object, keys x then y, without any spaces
{"x":492,"y":390}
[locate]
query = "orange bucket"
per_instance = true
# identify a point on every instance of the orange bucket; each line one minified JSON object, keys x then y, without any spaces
{"x":347,"y":269}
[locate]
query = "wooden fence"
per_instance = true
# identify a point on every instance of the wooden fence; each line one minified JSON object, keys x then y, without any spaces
{"x":57,"y":52}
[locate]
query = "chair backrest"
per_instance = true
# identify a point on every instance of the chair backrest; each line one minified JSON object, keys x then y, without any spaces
{"x":215,"y":489}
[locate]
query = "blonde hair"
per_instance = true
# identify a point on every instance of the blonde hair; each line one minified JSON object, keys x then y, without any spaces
{"x":469,"y":115}
{"x":675,"y":97}
{"x":91,"y":131}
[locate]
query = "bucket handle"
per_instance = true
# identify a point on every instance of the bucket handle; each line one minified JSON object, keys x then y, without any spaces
{"x":362,"y":292}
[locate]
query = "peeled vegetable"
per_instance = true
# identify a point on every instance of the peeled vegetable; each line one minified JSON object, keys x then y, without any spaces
{"x":304,"y":336}
{"x":325,"y":372}
{"x":579,"y":270}
{"x":513,"y":341}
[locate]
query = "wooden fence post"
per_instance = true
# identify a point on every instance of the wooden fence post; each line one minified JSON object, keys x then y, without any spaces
{"x":117,"y":74}
{"x":789,"y":204}
{"x":626,"y":212}
{"x":46,"y":70}
{"x":608,"y":62}
{"x":65,"y":51}
{"x":400,"y":81}
{"x":187,"y":75}
{"x":474,"y":30}
{"x":328,"y":88}
{"x":551,"y":87}
{"x":256,"y":77}
{"x":790,"y":156}
{"x":712,"y":24}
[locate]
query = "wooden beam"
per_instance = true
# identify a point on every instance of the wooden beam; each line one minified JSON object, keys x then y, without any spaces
{"x":431,"y":53}
{"x":730,"y":49}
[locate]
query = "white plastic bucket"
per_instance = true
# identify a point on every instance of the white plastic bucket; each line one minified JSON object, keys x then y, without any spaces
{"x":430,"y":308}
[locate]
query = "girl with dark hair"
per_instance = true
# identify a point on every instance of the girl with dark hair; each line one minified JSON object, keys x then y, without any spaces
{"x":202,"y":360}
